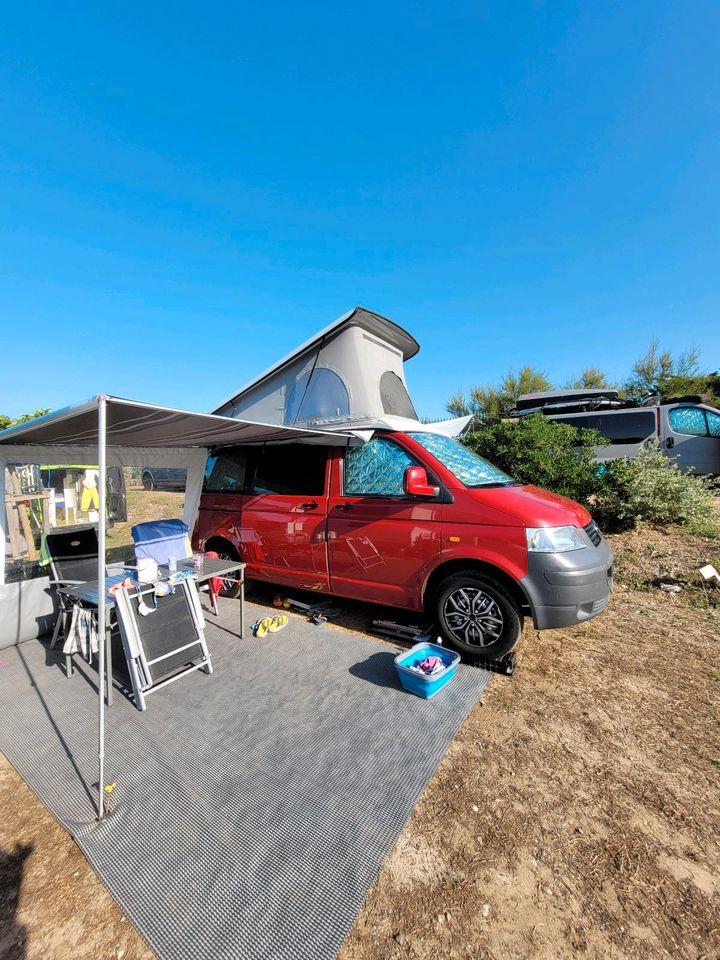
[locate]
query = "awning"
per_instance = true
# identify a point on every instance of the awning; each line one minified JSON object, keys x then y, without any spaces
{"x":108,"y":429}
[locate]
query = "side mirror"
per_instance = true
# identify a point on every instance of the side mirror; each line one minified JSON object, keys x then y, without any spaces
{"x":416,"y":483}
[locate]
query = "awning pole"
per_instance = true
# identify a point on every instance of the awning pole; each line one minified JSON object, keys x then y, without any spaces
{"x":102,"y":443}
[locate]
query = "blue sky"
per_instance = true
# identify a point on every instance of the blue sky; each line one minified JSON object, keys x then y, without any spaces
{"x":187,"y":191}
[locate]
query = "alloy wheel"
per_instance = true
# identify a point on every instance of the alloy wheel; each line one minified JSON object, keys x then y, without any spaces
{"x":473,"y":617}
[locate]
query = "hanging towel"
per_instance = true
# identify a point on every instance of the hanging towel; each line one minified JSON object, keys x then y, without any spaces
{"x":83,"y":634}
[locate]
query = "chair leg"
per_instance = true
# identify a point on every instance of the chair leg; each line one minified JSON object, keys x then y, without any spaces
{"x":56,"y":632}
{"x":213,"y":601}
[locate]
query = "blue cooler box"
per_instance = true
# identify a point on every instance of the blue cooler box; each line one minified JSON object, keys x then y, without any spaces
{"x":417,"y":683}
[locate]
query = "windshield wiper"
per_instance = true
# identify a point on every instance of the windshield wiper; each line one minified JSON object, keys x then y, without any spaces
{"x":492,"y":483}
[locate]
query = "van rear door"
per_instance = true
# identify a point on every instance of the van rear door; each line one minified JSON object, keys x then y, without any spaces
{"x":691,"y":436}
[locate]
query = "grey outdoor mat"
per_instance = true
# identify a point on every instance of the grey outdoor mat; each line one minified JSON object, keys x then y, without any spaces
{"x":254,"y":808}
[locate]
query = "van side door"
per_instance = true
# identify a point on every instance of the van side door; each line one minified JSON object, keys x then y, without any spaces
{"x":381,"y":542}
{"x":691,"y":437}
{"x":284,"y":513}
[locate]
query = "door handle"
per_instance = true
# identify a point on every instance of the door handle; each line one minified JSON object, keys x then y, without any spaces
{"x":312,"y":505}
{"x":343,"y":506}
{"x":670,"y":442}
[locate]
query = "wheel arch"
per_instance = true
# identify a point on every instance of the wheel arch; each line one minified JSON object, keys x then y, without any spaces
{"x":219,"y":540}
{"x":450,"y":567}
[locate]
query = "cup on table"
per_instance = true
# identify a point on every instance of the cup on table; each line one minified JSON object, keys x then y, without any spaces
{"x":198,"y":559}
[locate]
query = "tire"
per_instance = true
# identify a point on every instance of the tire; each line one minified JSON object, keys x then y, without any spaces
{"x":477,"y":615}
{"x":226,"y":552}
{"x":148,"y":482}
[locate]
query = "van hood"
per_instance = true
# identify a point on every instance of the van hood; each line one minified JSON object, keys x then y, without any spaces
{"x":533,"y":507}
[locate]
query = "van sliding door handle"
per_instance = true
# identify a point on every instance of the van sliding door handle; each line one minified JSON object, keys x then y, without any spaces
{"x":670,"y":443}
{"x":343,"y":506}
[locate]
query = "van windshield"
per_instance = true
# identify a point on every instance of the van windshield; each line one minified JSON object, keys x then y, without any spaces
{"x":467,"y":466}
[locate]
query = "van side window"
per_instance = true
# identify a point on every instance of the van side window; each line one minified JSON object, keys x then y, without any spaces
{"x":225,"y":470}
{"x":713,"y":420}
{"x":632,"y":426}
{"x":292,"y":469}
{"x":689,"y":420}
{"x":376,"y":469}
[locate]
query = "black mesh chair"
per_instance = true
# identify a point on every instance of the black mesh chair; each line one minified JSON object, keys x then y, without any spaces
{"x":73,"y":555}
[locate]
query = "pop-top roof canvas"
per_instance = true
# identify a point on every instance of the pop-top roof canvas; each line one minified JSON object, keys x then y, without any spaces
{"x":350,"y":375}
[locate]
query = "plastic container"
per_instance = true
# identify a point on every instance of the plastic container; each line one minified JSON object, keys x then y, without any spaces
{"x":417,"y":683}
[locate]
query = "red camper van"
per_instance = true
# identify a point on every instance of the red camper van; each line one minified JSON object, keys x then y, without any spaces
{"x":397,"y":513}
{"x":412,"y":520}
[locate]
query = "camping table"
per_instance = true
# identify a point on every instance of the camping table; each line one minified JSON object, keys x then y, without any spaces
{"x":211,"y":568}
{"x":221,"y":569}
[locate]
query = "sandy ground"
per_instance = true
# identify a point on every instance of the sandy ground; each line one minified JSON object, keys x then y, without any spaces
{"x":577,"y":812}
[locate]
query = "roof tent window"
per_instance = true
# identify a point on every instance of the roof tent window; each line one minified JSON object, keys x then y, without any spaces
{"x":395,"y":399}
{"x":319,"y":394}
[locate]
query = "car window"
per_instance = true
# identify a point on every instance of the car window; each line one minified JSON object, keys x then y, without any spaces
{"x":631,"y":426}
{"x":293,"y":469}
{"x":468,"y":467}
{"x":713,"y":422}
{"x":690,"y":420}
{"x":225,"y":470}
{"x":376,"y":469}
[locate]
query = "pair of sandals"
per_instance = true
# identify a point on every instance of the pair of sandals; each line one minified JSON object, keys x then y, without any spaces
{"x":269,"y":625}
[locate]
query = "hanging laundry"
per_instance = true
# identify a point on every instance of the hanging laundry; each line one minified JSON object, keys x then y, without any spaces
{"x":83,"y":634}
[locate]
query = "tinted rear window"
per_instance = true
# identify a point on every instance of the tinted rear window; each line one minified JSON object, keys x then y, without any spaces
{"x":632,"y":426}
{"x":295,"y":469}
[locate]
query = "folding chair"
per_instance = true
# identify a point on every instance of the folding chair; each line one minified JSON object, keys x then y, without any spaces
{"x":73,"y":555}
{"x":166,"y":644}
{"x":162,"y":540}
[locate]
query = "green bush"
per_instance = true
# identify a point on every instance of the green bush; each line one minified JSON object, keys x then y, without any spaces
{"x":651,"y":488}
{"x":619,"y":494}
{"x":540,"y":451}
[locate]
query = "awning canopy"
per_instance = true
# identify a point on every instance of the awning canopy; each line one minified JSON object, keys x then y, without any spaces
{"x":140,"y":434}
{"x":134,"y":424}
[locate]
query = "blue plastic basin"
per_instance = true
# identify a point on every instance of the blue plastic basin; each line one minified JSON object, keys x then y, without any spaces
{"x":417,"y":683}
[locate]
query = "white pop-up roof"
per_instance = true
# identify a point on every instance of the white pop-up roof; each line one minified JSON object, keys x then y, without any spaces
{"x":348,"y":376}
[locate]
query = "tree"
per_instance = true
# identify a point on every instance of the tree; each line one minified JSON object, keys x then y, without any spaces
{"x":590,"y":379}
{"x":654,"y":368}
{"x":6,"y":422}
{"x":493,"y":402}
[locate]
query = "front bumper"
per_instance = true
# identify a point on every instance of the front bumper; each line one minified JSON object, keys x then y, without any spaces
{"x":568,"y":588}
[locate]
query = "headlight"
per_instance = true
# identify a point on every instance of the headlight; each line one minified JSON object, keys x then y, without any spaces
{"x":554,"y":539}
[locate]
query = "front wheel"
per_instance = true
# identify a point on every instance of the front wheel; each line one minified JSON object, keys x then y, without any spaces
{"x":148,"y":482}
{"x":477,"y":616}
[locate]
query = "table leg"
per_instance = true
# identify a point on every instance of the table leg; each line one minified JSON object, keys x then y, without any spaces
{"x":242,"y":604}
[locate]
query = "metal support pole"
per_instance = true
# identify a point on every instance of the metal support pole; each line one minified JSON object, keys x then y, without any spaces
{"x":102,"y":454}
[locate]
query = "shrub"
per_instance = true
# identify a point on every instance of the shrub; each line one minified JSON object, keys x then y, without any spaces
{"x":651,"y":488}
{"x":540,"y":451}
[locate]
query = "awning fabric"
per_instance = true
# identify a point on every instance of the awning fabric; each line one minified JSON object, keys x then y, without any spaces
{"x":140,"y":434}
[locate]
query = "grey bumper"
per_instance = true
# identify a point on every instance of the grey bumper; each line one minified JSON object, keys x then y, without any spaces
{"x":568,"y":588}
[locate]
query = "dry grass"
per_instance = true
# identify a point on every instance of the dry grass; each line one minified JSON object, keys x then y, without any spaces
{"x":576,"y":813}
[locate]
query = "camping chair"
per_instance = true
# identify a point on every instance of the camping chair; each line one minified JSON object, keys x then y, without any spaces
{"x":165,"y":645}
{"x":162,"y":540}
{"x":73,"y":555}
